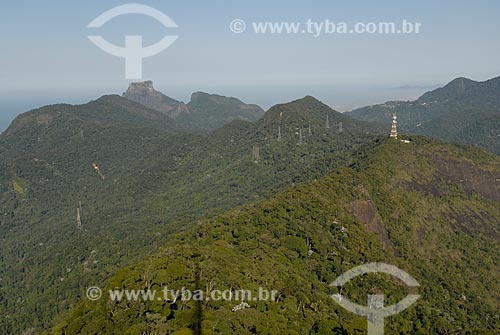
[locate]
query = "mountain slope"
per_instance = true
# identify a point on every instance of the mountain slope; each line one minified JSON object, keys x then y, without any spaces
{"x":468,"y":93}
{"x":429,"y":208}
{"x":462,"y":111}
{"x":156,"y":183}
{"x":211,"y":111}
{"x":203,"y":114}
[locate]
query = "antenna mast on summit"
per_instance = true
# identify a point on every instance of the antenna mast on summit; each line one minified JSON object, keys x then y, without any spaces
{"x":78,"y":215}
{"x":394,"y":130}
{"x":300,"y":136}
{"x":256,"y":154}
{"x":78,"y":219}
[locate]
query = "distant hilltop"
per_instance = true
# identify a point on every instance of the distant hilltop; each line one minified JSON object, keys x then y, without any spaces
{"x":463,"y":111}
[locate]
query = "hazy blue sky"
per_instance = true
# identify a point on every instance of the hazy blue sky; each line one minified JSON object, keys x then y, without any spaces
{"x":46,"y":56}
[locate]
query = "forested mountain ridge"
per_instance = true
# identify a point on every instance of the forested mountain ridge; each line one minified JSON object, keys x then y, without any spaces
{"x":106,"y":111}
{"x":157,"y":181}
{"x":429,"y":208}
{"x":463,"y":111}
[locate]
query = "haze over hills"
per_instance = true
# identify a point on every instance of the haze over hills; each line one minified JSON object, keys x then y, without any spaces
{"x":430,"y":208}
{"x":463,"y":111}
{"x":204,"y":113}
{"x":158,"y":180}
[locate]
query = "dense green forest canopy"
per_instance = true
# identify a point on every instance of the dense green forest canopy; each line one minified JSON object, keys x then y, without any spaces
{"x":429,"y":208}
{"x":158,"y":180}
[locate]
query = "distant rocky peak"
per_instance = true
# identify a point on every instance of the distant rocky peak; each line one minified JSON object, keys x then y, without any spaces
{"x":143,"y":85}
{"x":204,"y":113}
{"x":145,"y":94}
{"x":199,"y":96}
{"x":203,"y":97}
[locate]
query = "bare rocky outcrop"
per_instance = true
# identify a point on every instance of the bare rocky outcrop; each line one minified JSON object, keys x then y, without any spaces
{"x":145,"y":94}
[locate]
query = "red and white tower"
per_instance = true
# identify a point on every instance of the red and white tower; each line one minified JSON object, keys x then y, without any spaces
{"x":394,"y":130}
